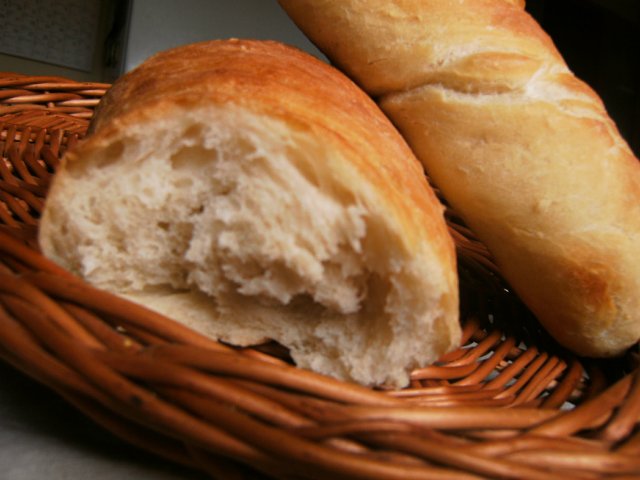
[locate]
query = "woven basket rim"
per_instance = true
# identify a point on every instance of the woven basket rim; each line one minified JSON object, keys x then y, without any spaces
{"x":493,"y":408}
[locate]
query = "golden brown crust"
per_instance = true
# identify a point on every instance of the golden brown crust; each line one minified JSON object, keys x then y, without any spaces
{"x":397,"y":45}
{"x":265,"y":76}
{"x":522,"y":149}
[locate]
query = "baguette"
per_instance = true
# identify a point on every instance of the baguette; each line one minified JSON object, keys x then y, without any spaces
{"x":253,"y":192}
{"x":521,"y":148}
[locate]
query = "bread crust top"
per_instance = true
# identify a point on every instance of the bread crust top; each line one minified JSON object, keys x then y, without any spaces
{"x":281,"y":81}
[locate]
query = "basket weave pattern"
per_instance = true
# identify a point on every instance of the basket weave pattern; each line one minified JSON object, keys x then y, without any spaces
{"x":506,"y":404}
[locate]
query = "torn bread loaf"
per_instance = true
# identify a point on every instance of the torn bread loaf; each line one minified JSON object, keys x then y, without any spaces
{"x":253,"y":192}
{"x":519,"y":146}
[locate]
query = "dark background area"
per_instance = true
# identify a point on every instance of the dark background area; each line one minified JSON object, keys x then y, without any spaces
{"x":600,"y":41}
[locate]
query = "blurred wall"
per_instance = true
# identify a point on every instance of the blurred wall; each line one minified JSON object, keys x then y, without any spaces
{"x":129,"y":31}
{"x":30,"y":66}
{"x":160,"y":24}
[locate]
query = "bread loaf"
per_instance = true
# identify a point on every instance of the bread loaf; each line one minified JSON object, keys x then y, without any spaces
{"x":520,"y":147}
{"x":253,"y":192}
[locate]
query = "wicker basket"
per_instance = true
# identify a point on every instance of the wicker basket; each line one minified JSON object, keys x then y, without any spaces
{"x":507,"y":404}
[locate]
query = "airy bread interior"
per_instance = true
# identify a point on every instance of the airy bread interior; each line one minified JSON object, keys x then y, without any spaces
{"x":247,"y":229}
